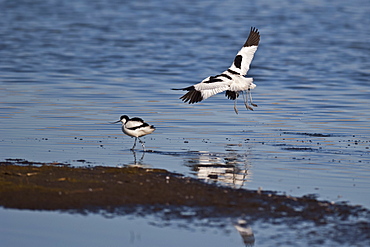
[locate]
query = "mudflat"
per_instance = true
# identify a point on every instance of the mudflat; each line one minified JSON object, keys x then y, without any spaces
{"x":56,"y":186}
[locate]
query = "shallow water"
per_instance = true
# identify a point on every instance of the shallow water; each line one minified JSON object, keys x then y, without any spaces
{"x":70,"y":68}
{"x":95,"y":230}
{"x":25,"y":227}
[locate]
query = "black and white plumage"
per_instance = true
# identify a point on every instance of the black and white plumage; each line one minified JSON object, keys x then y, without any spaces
{"x":135,"y":127}
{"x":232,"y":80}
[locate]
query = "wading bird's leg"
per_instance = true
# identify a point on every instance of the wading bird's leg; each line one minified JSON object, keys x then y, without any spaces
{"x":235,"y":109}
{"x":246,"y":101}
{"x":133,"y":151}
{"x":142,"y":144}
{"x":133,"y":147}
{"x":250,"y":98}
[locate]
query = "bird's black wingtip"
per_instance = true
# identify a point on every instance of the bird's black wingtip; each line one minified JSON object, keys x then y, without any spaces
{"x":254,"y":29}
{"x":191,"y":97}
{"x":231,"y":95}
{"x":253,"y":38}
{"x":184,"y":89}
{"x":191,"y":88}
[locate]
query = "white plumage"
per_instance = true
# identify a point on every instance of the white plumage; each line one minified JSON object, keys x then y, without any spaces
{"x":231,"y":80}
{"x":135,"y":127}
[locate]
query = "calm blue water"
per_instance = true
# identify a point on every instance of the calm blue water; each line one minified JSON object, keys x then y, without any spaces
{"x":68,"y":68}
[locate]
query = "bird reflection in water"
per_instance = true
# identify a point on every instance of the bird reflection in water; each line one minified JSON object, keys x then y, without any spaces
{"x":231,"y":170}
{"x":245,"y":231}
{"x":137,"y":162}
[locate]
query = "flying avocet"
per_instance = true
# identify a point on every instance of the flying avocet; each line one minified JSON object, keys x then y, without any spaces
{"x":232,"y":80}
{"x":135,"y":127}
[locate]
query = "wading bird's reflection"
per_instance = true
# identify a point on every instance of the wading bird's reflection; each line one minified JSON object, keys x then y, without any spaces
{"x":230,"y":169}
{"x":137,"y":162}
{"x":245,"y":232}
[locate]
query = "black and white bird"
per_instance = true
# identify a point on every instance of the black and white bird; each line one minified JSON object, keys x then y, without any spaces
{"x":232,"y":80}
{"x":135,"y":127}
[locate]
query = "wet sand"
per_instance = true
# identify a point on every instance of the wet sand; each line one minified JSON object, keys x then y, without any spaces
{"x":55,"y":186}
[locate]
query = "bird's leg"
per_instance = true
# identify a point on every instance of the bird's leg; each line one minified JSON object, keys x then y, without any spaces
{"x":250,"y":98}
{"x":142,"y":144}
{"x":246,"y":101}
{"x":133,"y":151}
{"x":133,"y":147}
{"x":235,"y":109}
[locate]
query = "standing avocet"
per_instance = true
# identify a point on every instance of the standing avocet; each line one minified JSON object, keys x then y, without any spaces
{"x":232,"y":80}
{"x":135,"y":127}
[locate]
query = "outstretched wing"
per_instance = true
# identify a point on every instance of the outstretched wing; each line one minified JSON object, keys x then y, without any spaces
{"x":208,"y":87}
{"x":244,"y":57}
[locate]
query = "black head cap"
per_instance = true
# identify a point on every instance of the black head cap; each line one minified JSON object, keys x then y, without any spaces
{"x":124,"y":117}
